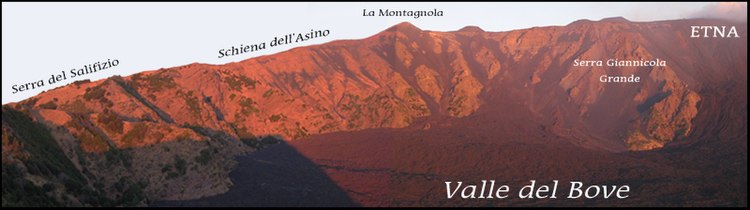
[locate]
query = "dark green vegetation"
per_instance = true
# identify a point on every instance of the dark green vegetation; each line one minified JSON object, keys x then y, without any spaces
{"x":98,"y":93}
{"x":176,"y":169}
{"x":45,"y":159}
{"x":115,"y":156}
{"x":48,"y":105}
{"x":111,"y":121}
{"x":276,"y":117}
{"x":248,"y":106}
{"x":154,"y":82}
{"x":137,"y":132}
{"x":237,"y":82}
{"x":206,"y":155}
{"x":46,"y":156}
{"x":191,"y":101}
{"x":59,"y":182}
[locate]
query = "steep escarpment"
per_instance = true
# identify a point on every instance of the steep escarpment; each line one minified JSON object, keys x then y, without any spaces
{"x":164,"y":129}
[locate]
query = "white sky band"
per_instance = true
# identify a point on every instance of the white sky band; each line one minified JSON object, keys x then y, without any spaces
{"x":165,"y":35}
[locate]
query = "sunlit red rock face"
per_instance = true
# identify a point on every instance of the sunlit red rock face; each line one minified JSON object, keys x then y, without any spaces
{"x":406,"y":76}
{"x":404,"y":73}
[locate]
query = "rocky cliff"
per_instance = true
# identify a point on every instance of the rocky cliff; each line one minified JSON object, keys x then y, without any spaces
{"x":166,"y":129}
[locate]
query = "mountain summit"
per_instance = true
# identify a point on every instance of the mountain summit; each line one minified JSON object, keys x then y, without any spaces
{"x":404,"y":26}
{"x":615,"y":19}
{"x":173,"y":126}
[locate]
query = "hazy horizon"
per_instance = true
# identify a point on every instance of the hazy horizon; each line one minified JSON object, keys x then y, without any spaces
{"x":41,"y":39}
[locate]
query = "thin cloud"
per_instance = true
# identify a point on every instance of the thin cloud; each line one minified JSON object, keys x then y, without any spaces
{"x":736,"y":11}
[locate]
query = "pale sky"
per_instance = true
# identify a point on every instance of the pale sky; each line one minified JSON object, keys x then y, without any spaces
{"x":43,"y":38}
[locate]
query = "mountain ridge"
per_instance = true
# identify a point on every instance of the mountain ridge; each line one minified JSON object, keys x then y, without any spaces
{"x":392,"y":51}
{"x":401,"y":77}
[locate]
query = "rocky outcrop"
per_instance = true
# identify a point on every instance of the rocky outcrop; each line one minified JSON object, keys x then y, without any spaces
{"x":668,"y":119}
{"x":176,"y":125}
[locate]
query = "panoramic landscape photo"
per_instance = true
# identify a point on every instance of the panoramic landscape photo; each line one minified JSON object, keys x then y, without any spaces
{"x":605,"y":112}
